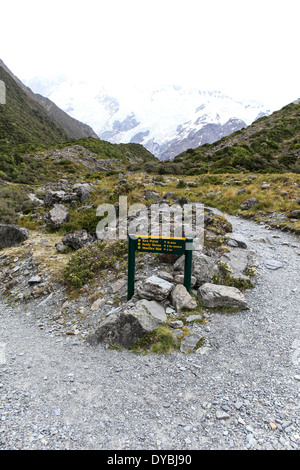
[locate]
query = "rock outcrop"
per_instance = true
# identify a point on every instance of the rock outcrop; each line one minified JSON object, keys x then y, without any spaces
{"x":125,"y":327}
{"x":11,"y":235}
{"x":239,"y":260}
{"x":78,"y":239}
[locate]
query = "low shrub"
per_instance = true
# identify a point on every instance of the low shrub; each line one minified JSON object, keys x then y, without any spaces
{"x":88,"y":262}
{"x":14,"y":200}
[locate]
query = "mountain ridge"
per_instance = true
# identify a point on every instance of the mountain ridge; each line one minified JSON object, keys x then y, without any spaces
{"x":73,"y":128}
{"x":165,"y":121}
{"x":269,"y":143}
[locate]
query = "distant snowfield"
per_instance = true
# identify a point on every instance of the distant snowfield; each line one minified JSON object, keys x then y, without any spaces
{"x":156,"y":118}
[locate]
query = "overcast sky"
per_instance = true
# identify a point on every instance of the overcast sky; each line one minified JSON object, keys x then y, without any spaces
{"x":248,"y":49}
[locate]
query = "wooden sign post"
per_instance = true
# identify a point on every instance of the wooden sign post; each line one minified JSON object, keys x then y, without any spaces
{"x":171,"y":245}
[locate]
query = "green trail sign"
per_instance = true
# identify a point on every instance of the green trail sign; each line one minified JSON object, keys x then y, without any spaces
{"x":149,"y":244}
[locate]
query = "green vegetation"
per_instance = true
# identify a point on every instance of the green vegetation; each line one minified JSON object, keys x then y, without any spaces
{"x":24,"y":121}
{"x":85,"y":219}
{"x":160,"y":341}
{"x":219,"y":225}
{"x":34,"y":164}
{"x":226,"y":279}
{"x":91,"y":261}
{"x":128,"y":153}
{"x":34,"y":149}
{"x":31,"y":125}
{"x":270,"y":145}
{"x":12,"y":201}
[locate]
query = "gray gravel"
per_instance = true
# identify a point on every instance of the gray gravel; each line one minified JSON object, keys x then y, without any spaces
{"x":240,"y":392}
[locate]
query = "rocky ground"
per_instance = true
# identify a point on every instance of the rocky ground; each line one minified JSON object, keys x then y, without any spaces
{"x":238,"y":391}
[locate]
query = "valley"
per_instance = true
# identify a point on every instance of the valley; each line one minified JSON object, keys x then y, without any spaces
{"x":213,"y":366}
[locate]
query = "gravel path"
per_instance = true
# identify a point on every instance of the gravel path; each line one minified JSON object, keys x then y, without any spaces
{"x":242,"y":392}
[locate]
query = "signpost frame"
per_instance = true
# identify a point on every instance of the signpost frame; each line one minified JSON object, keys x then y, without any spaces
{"x":170,"y":245}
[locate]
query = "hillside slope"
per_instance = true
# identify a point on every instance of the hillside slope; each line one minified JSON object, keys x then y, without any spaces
{"x":272,"y":143}
{"x":38,"y":141}
{"x":24,"y":120}
{"x":72,"y":127}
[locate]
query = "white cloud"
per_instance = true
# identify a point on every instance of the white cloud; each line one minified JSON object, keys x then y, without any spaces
{"x":246,"y":48}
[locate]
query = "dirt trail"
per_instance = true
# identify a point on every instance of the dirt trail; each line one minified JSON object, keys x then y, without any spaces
{"x":241,"y":393}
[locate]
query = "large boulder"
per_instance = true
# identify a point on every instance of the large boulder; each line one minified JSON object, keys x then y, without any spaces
{"x":181,"y":299}
{"x":154,"y":288}
{"x":190,"y":342}
{"x":57,"y":216}
{"x":214,"y":295}
{"x":125,"y":327}
{"x":11,"y":235}
{"x":77,"y":239}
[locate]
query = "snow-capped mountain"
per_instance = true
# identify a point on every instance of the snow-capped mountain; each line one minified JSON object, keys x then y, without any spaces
{"x":166,"y":121}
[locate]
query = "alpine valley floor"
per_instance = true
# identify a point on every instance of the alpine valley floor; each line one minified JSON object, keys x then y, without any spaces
{"x":241,"y":392}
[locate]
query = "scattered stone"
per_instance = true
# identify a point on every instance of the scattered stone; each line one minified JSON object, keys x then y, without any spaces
{"x":34,"y":280}
{"x":220,"y":414}
{"x":183,"y":200}
{"x":249,"y":203}
{"x":177,"y":332}
{"x":241,"y":191}
{"x":176,"y":324}
{"x":273,"y":264}
{"x":11,"y":235}
{"x":97,"y":304}
{"x":48,"y":300}
{"x":151,"y":195}
{"x":61,"y":248}
{"x":165,"y":275}
{"x":295,"y":214}
{"x":84,"y":196}
{"x":236,"y":240}
{"x":35,"y":199}
{"x":241,"y":421}
{"x":265,"y":239}
{"x":190,"y":342}
{"x":116,"y":286}
{"x":170,"y":310}
{"x":169,"y":195}
{"x":192,"y":318}
{"x":214,"y":295}
{"x":181,"y":298}
{"x":179,"y":279}
{"x":54,"y":197}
